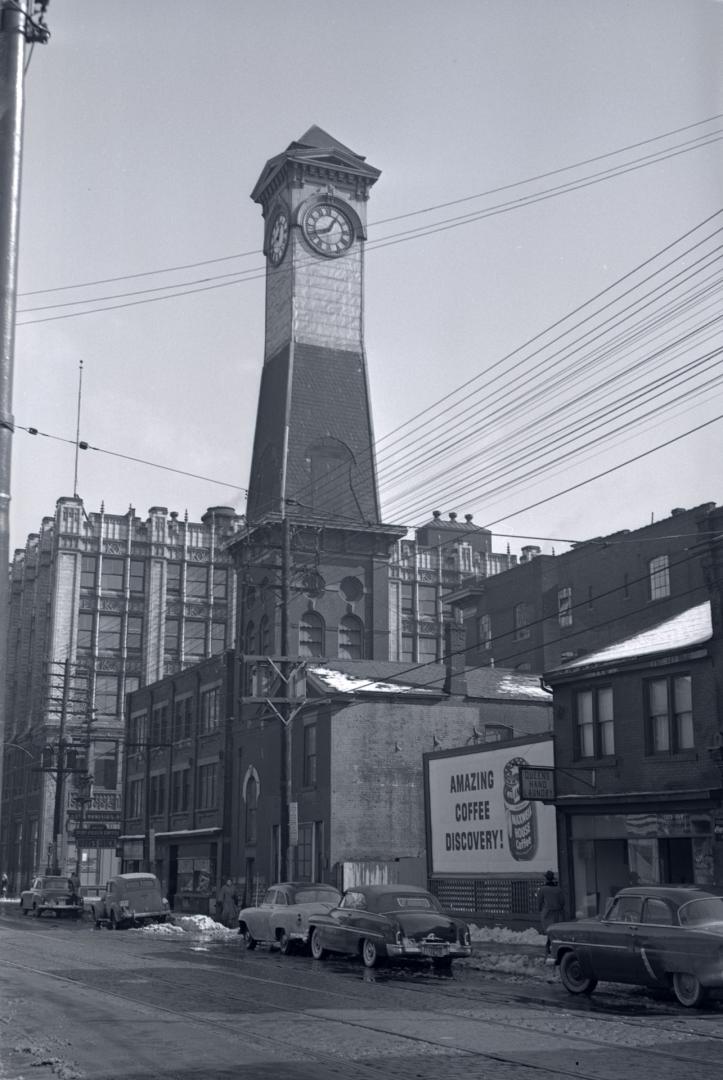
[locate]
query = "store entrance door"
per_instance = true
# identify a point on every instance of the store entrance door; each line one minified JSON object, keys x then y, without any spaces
{"x":676,"y":860}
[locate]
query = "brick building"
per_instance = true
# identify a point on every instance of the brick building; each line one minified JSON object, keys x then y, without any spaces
{"x":203,"y":787}
{"x":551,"y":608}
{"x":638,"y":760}
{"x":100,"y":604}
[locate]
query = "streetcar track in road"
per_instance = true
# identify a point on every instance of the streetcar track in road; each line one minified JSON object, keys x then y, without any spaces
{"x":539,"y":1071}
{"x":323,"y":1057}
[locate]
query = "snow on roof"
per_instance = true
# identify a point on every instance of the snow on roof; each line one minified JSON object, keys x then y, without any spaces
{"x":689,"y":628}
{"x":352,"y":684}
{"x":513,"y":684}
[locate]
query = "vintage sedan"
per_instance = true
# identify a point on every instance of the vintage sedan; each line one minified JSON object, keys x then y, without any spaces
{"x":668,"y":936}
{"x":282,"y":918}
{"x":395,"y":922}
{"x":50,"y":893}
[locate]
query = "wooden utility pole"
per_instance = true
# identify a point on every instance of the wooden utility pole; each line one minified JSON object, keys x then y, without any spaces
{"x":17,"y":28}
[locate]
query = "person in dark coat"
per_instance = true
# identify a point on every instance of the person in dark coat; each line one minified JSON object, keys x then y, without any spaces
{"x":227,"y":902}
{"x":550,"y":904}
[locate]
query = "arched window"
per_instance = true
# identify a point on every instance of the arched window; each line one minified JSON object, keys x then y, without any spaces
{"x":252,"y":802}
{"x":311,"y":634}
{"x":351,"y":638}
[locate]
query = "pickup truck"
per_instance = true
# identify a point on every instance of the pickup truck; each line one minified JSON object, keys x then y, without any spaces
{"x":130,"y":900}
{"x":50,"y":893}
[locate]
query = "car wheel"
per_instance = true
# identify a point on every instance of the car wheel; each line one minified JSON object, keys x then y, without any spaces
{"x":249,"y":940}
{"x":688,"y":990}
{"x":286,"y":946}
{"x":317,"y":949}
{"x":573,"y":977}
{"x":370,"y":953}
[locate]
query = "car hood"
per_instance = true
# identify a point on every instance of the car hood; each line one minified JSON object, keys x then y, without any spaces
{"x":422,"y":924}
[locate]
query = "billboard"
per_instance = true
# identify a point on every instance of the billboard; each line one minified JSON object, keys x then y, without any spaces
{"x":477,"y":820}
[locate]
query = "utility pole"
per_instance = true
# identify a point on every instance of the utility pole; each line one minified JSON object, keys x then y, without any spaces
{"x":286,"y":838}
{"x":60,"y":771}
{"x":17,"y":27}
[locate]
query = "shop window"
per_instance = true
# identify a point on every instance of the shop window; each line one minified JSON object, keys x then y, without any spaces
{"x":670,"y":715}
{"x":484,"y":632}
{"x":310,"y":755}
{"x":350,"y":638}
{"x":595,"y":723}
{"x":311,"y":634}
{"x":564,"y":606}
{"x":522,"y":617}
{"x":304,"y":853}
{"x":659,"y":577}
{"x":207,"y":787}
{"x":111,"y":575}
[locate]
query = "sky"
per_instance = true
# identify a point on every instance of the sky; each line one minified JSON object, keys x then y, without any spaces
{"x":146,"y":128}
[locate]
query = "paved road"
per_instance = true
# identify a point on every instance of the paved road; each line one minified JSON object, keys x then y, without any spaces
{"x":79,"y":1003}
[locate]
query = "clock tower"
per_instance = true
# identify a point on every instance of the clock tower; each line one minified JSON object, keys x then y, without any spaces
{"x":314,"y":440}
{"x":313,"y":465}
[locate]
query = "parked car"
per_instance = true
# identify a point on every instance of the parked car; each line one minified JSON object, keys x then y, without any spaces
{"x":395,"y":922}
{"x":50,"y":894}
{"x":130,"y":900}
{"x":283,"y":916}
{"x":656,"y":936}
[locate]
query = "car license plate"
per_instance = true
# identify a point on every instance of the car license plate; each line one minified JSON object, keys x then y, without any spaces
{"x":435,"y":950}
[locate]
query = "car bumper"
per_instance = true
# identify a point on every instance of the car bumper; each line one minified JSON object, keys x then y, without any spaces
{"x":449,"y":950}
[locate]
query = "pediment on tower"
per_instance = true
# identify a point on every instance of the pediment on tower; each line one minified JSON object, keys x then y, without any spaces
{"x":315,"y":152}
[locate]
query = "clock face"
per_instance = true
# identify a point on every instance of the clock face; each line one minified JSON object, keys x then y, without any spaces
{"x":328,"y":229}
{"x":278,"y":238}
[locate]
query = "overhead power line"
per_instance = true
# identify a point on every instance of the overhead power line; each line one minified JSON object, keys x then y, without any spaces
{"x":396,"y":217}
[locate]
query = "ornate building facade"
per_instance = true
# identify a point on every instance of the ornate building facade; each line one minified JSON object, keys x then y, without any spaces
{"x":100,"y":604}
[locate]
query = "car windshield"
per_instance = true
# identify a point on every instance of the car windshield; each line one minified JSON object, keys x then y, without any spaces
{"x":316,"y":896}
{"x":54,"y":883}
{"x":708,"y":909}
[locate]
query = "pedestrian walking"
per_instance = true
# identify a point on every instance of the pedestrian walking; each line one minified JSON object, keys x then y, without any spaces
{"x":550,"y":904}
{"x":74,"y":886}
{"x":227,"y":903}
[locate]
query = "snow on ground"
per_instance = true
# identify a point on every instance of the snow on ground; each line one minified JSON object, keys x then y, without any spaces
{"x":529,"y":967}
{"x":197,"y":925}
{"x":502,"y":935}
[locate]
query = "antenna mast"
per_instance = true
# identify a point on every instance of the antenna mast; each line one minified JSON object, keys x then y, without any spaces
{"x":77,"y":430}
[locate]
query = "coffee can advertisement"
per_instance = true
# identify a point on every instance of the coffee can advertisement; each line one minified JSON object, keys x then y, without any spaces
{"x":479,"y":821}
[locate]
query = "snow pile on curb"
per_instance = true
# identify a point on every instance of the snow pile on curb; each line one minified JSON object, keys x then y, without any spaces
{"x":501,"y":935}
{"x":198,"y":925}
